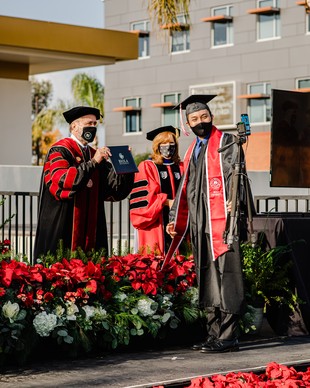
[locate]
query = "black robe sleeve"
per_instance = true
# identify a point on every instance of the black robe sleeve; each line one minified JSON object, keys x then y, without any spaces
{"x":118,"y":186}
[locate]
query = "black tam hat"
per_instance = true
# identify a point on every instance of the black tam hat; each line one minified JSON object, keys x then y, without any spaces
{"x":80,"y":111}
{"x":195,"y":103}
{"x":169,"y":128}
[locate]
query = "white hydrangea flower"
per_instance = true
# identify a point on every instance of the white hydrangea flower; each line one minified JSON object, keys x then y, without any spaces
{"x":10,"y":310}
{"x":100,"y":312}
{"x":59,"y":311}
{"x":45,"y":323}
{"x":71,"y":310}
{"x":144,"y":307}
{"x":120,"y":296}
{"x":89,"y":311}
{"x":193,"y":291}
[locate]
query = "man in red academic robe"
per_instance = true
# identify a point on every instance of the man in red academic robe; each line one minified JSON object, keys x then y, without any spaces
{"x":76,"y":181}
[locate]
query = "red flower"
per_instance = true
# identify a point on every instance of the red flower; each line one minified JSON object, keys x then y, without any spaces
{"x":91,"y":286}
{"x":275,"y":371}
{"x":26,"y":298}
{"x":48,"y":296}
{"x":2,"y":291}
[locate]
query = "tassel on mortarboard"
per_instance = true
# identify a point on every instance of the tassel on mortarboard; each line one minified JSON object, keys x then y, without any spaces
{"x":186,"y":133}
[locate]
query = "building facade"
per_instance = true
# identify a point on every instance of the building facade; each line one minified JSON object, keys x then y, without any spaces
{"x":238,"y":50}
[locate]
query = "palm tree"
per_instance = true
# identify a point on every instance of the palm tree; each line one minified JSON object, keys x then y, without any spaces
{"x":166,"y":11}
{"x":88,"y":90}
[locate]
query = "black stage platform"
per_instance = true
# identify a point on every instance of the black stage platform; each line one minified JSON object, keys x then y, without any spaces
{"x":170,"y":367}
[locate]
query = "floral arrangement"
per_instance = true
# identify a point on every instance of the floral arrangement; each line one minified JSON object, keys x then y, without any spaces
{"x":276,"y":375}
{"x":84,"y":304}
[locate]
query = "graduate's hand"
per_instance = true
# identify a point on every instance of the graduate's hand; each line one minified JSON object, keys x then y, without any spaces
{"x":102,"y":153}
{"x":170,"y":229}
{"x":228,"y":206}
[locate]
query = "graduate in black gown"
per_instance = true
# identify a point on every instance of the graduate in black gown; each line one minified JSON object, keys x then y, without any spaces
{"x":203,"y":193}
{"x":76,"y":181}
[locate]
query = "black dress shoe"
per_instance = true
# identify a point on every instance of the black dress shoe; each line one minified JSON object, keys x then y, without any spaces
{"x":209,"y":340}
{"x":223,"y":346}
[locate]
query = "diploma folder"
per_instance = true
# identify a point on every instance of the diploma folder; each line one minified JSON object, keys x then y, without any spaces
{"x":122,"y":160}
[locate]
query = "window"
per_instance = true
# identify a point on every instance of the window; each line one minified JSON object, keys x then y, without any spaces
{"x":143,"y":30}
{"x":259,"y":108}
{"x":171,"y":116}
{"x":180,"y":36}
{"x":268,"y":21}
{"x":133,"y":115}
{"x":222,"y":26}
{"x":303,"y":83}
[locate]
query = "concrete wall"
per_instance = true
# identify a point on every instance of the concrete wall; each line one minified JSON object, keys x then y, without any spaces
{"x":15,"y":126}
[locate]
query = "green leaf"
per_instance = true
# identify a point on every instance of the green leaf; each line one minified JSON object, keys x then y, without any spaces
{"x":173,"y":324}
{"x":166,"y":317}
{"x":21,"y":315}
{"x":114,"y":343}
{"x":68,"y":339}
{"x":62,"y":333}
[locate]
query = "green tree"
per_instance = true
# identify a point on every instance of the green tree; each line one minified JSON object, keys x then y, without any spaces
{"x":41,"y":95}
{"x":43,"y":119}
{"x":88,"y":90}
{"x":44,"y":133}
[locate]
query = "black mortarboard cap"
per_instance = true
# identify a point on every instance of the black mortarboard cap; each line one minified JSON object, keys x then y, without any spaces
{"x":195,"y":103}
{"x":80,"y":111}
{"x":169,"y":128}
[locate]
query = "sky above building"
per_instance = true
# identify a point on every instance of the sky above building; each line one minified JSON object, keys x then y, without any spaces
{"x":88,"y":13}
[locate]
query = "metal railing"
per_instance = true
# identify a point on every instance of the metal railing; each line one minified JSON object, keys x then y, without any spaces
{"x":18,"y":212}
{"x":282,"y":204}
{"x":18,"y":217}
{"x":20,"y":209}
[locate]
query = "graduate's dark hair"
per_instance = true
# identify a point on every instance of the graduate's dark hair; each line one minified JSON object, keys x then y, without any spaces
{"x":165,"y":137}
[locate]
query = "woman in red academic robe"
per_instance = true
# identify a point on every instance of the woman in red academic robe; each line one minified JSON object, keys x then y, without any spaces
{"x":154,"y":190}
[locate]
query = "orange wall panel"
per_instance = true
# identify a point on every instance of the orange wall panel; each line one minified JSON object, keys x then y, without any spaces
{"x":257,"y":152}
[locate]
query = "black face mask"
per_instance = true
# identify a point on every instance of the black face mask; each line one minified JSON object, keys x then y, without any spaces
{"x":167,"y":151}
{"x":202,"y":129}
{"x":89,"y":134}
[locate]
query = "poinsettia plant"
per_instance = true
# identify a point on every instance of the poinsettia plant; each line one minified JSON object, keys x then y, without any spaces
{"x":82,"y":304}
{"x":275,"y":375}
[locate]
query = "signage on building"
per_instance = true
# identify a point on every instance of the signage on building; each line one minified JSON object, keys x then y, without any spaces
{"x":223,"y":105}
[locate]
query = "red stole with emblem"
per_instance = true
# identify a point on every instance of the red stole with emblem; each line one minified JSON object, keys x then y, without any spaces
{"x":216,"y":198}
{"x":216,"y":194}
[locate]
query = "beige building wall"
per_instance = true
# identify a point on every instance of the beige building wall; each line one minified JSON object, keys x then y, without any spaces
{"x":279,"y":61}
{"x":15,"y":113}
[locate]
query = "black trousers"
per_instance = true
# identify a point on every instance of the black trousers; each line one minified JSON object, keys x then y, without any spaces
{"x":222,"y":325}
